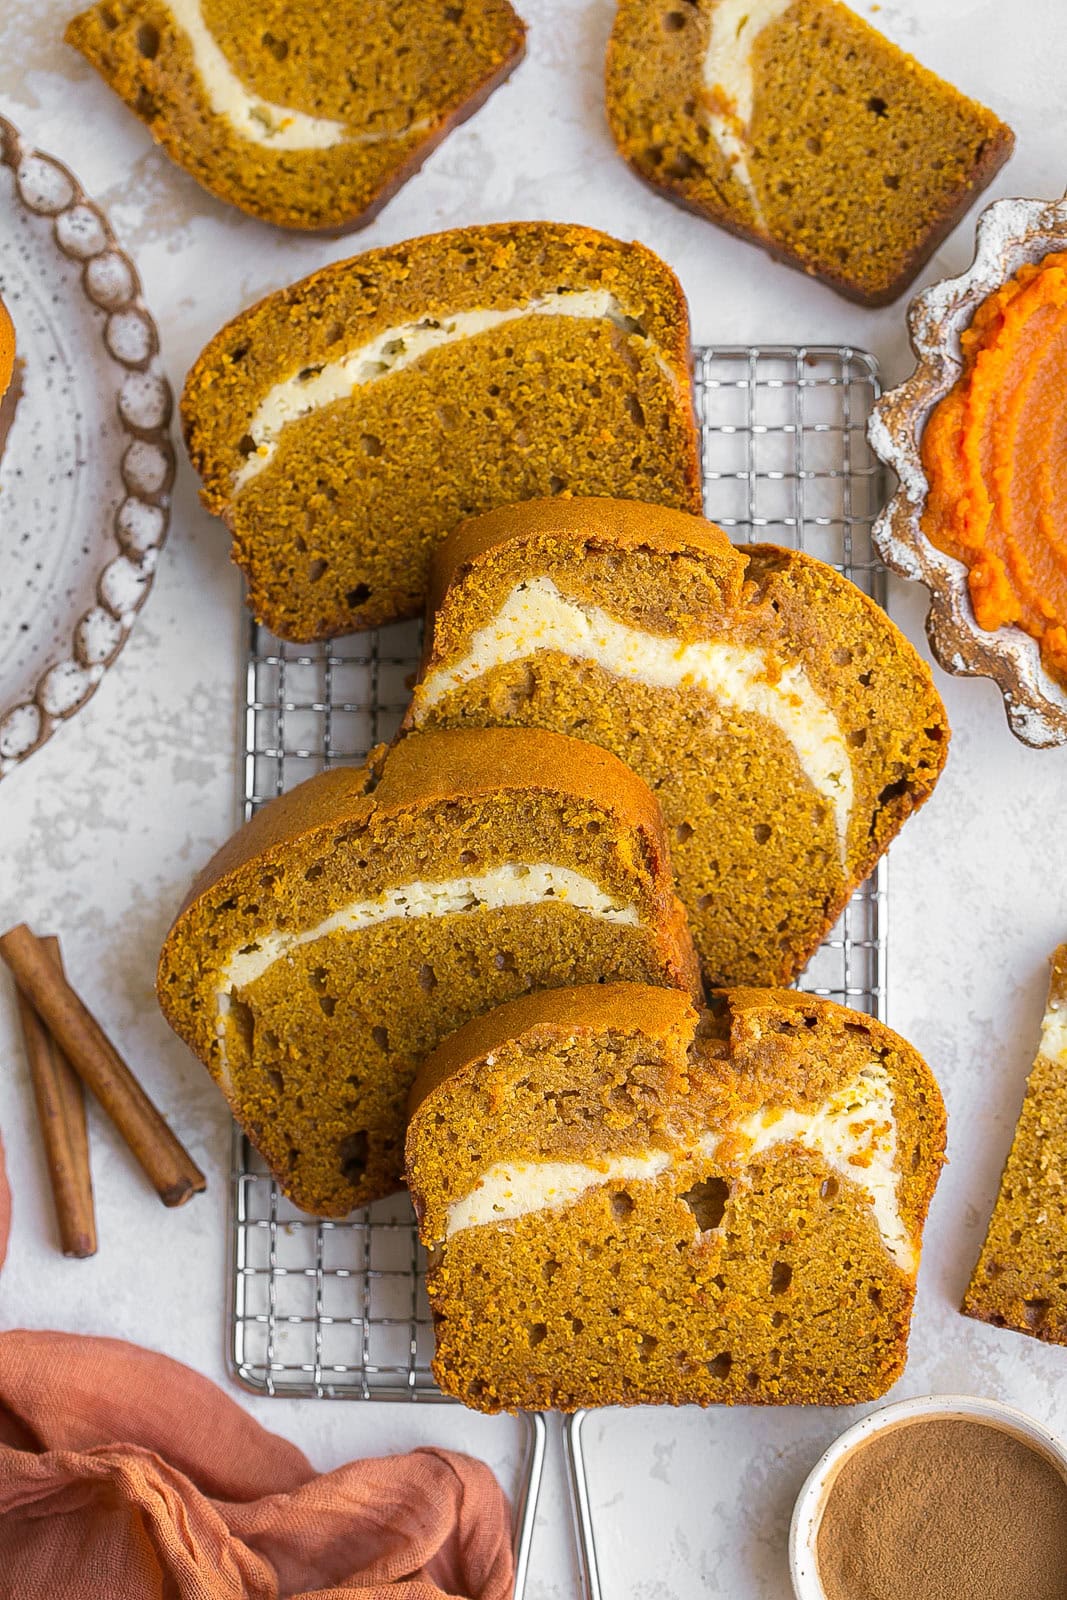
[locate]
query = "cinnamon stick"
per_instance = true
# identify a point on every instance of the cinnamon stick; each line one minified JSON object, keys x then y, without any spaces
{"x":167,"y":1164}
{"x":60,"y":1099}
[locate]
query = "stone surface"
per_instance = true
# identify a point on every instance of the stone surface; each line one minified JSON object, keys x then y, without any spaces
{"x":102,"y":829}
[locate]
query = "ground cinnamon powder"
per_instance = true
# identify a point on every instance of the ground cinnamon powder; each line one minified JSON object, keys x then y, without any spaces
{"x":945,"y":1510}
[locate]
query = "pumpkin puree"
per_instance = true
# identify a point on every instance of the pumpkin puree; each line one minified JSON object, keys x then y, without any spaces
{"x":995,"y":455}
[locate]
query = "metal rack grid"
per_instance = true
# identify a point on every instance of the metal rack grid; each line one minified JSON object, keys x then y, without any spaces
{"x":337,"y":1309}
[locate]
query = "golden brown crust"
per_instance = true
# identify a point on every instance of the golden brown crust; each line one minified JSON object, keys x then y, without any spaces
{"x":626,"y":524}
{"x":621,"y":1007}
{"x":417,"y":457}
{"x":144,"y":57}
{"x":846,"y":168}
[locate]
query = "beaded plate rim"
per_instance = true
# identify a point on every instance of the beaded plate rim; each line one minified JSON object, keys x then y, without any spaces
{"x":46,"y":189}
{"x":1009,"y":233}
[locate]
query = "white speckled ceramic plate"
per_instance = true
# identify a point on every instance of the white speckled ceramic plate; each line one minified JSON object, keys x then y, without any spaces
{"x":87,"y":466}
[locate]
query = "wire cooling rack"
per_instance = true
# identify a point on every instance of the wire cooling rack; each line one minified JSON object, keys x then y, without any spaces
{"x":337,"y":1309}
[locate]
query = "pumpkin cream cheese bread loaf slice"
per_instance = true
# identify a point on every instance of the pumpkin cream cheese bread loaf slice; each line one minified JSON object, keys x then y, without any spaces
{"x":305,"y":115}
{"x":628,"y":1201}
{"x":795,"y":124}
{"x":344,"y":425}
{"x":1020,"y":1280}
{"x":353,"y":922}
{"x":787,"y":728}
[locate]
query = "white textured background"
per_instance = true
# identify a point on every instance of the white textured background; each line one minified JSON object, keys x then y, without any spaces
{"x":102,"y":830}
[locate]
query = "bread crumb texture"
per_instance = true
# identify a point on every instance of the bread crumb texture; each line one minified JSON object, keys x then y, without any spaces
{"x":379,"y":83}
{"x":723,"y":1279}
{"x":755,"y":844}
{"x":1020,"y":1279}
{"x":315,"y":1041}
{"x":334,"y":531}
{"x":854,"y":160}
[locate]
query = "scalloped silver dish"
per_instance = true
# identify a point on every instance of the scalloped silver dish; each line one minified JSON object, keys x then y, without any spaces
{"x":1010,"y":233}
{"x":88,"y":463}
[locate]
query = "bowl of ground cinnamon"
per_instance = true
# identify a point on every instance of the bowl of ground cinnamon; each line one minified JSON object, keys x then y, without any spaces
{"x":946,"y":1497}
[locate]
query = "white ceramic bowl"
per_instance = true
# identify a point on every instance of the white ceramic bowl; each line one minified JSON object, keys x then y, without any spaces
{"x":811,"y":1501}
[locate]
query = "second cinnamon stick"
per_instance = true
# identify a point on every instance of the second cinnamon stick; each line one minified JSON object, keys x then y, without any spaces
{"x":167,"y":1164}
{"x":60,"y":1099}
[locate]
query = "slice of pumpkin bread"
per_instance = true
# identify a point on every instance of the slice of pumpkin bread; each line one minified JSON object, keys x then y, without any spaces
{"x":797,"y":125}
{"x":344,"y":425}
{"x":1020,"y":1280}
{"x":355,"y":921}
{"x":304,"y":115}
{"x":626,"y":1201}
{"x":786,"y":726}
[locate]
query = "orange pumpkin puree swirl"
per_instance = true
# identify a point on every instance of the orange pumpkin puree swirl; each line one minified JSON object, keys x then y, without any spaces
{"x":995,"y":455}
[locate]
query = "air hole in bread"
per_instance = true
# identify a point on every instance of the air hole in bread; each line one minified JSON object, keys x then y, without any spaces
{"x":635,"y":409}
{"x":577,"y":1325}
{"x":646,"y":1343}
{"x":707,"y":1201}
{"x":622,"y":1205}
{"x":246,"y":445}
{"x":781,"y":1277}
{"x":427,"y":978}
{"x":315,"y":871}
{"x":279,"y":48}
{"x":275,"y":1079}
{"x":549,"y":1270}
{"x":370,"y":444}
{"x":683,"y":833}
{"x":536,"y":1332}
{"x":682,"y":165}
{"x":891,"y":180}
{"x":719,"y":1366}
{"x":357,"y":596}
{"x":328,"y":1003}
{"x":353,"y":1152}
{"x":244,"y":1023}
{"x":504,"y":961}
{"x":893,"y":791}
{"x":877,"y":106}
{"x":761,"y":833}
{"x":828,"y":1188}
{"x":874,"y":1294}
{"x":316,"y":569}
{"x":674,"y":21}
{"x":556,"y":485}
{"x":380,"y":1036}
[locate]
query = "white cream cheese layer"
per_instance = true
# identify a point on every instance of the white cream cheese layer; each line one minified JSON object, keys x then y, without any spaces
{"x":512,"y":885}
{"x":255,"y":119}
{"x":513,"y":1189}
{"x":854,"y":1132}
{"x":515,"y":884}
{"x":1054,"y":1033}
{"x":536,"y":616}
{"x":728,"y":79}
{"x":393,"y":350}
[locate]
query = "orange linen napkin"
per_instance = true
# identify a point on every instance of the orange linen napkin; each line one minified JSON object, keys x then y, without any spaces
{"x":123,"y":1473}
